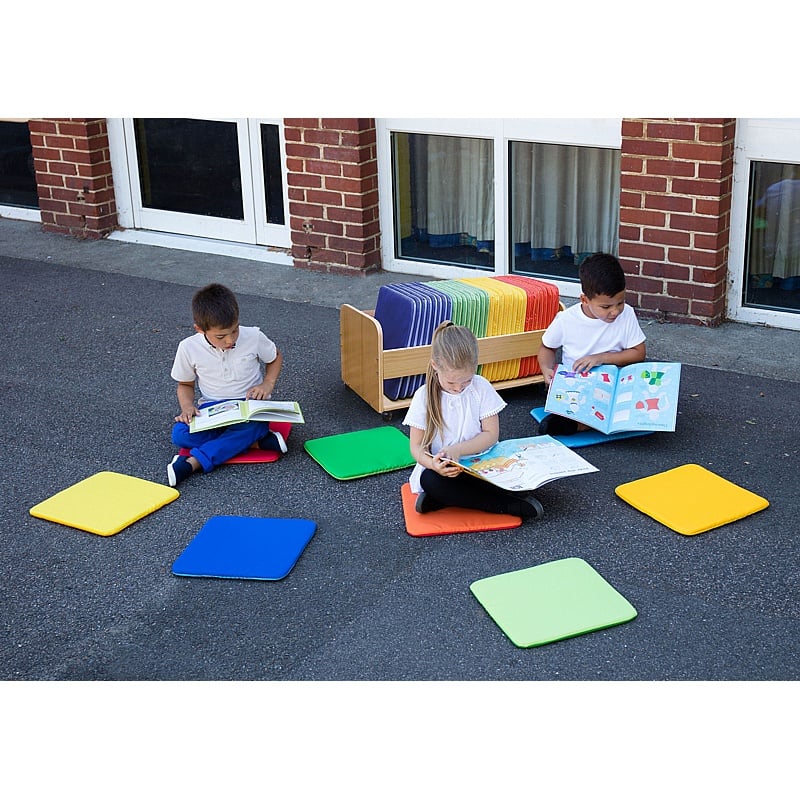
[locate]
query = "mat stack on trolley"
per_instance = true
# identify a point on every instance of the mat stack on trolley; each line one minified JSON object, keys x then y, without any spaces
{"x":385,"y":352}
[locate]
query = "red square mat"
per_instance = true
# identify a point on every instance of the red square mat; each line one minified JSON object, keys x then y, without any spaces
{"x":451,"y":520}
{"x":254,"y":455}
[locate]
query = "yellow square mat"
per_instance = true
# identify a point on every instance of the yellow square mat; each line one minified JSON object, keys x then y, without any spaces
{"x":690,"y":499}
{"x":105,"y":503}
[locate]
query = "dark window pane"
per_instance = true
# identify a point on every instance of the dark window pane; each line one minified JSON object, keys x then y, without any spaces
{"x":564,"y":202}
{"x":444,"y":199}
{"x":190,"y":166}
{"x":772,"y":263}
{"x":17,"y":176}
{"x":273,"y":175}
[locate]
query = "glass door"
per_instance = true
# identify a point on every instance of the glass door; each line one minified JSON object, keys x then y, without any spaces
{"x":764,"y":263}
{"x":212,"y":178}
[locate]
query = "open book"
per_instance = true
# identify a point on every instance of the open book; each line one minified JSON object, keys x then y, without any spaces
{"x":521,"y":465}
{"x":639,"y":397}
{"x":229,"y":412}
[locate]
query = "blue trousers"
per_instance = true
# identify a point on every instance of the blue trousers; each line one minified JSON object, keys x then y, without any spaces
{"x":215,"y":447}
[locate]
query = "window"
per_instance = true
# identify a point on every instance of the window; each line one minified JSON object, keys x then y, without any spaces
{"x":564,"y":203}
{"x":526,"y":196}
{"x":772,"y":261}
{"x":17,"y":176}
{"x":444,"y":199}
{"x":190,"y":166}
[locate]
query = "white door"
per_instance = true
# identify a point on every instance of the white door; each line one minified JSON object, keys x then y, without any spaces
{"x":212,"y":178}
{"x":764,"y":262}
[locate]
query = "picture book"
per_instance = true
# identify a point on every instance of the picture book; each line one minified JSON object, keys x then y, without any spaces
{"x":521,"y":465}
{"x":229,"y":412}
{"x":639,"y":397}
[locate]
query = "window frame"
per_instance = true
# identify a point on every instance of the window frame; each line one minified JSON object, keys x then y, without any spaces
{"x":235,"y":237}
{"x":757,"y":139}
{"x":605,"y":132}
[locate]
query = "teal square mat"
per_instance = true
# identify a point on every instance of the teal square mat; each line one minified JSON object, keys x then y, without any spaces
{"x":552,"y":601}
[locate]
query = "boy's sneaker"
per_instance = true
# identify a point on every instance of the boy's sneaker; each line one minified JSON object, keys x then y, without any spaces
{"x":273,"y":441}
{"x":554,"y":425}
{"x":178,"y":470}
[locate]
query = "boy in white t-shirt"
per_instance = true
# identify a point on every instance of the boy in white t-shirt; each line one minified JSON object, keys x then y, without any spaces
{"x":600,"y":329}
{"x":224,"y":362}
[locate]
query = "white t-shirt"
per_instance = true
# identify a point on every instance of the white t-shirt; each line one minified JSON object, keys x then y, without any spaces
{"x":224,"y":374}
{"x":578,"y":335}
{"x":462,"y":414}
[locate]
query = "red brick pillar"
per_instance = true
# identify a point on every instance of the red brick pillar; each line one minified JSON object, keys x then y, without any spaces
{"x":675,"y":200}
{"x":73,"y":176}
{"x":333,"y":194}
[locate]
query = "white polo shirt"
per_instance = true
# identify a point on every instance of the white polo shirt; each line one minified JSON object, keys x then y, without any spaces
{"x":224,"y":374}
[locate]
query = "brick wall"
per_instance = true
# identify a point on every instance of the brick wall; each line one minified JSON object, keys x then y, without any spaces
{"x":675,"y":198}
{"x":73,"y":174}
{"x":333,"y":194}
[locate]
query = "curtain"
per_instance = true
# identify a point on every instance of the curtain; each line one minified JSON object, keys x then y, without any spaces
{"x":565,"y":197}
{"x":775,"y":235}
{"x":454,"y":189}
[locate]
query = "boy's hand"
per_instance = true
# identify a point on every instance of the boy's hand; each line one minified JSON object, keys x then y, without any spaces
{"x":585,"y":363}
{"x":186,"y":416}
{"x":260,"y":392}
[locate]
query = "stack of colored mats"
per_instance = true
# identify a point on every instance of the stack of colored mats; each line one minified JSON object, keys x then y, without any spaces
{"x":489,"y":306}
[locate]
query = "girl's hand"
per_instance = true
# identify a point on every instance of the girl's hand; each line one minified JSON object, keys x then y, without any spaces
{"x":444,"y":467}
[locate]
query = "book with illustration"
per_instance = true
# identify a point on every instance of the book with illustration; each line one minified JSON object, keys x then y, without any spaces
{"x":229,"y":412}
{"x":521,"y":465}
{"x":638,"y":397}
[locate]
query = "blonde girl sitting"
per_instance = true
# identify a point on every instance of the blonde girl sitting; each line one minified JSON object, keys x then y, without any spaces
{"x":455,"y":414}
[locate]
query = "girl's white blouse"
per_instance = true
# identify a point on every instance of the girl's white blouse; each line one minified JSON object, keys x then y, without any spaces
{"x":462,"y":414}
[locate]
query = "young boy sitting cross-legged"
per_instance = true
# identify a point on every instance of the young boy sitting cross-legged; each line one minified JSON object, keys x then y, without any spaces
{"x":224,"y":362}
{"x":600,"y":329}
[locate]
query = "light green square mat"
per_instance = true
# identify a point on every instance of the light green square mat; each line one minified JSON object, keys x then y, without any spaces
{"x":105,"y":503}
{"x":552,"y":601}
{"x":358,"y":454}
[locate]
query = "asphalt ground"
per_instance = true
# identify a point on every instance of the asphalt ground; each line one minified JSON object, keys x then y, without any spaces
{"x":86,"y":387}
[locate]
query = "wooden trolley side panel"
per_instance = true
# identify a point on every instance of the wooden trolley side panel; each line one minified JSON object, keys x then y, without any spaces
{"x":365,"y":364}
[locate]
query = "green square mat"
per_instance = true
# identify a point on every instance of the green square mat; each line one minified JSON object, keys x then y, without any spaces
{"x":358,"y":454}
{"x":551,"y":601}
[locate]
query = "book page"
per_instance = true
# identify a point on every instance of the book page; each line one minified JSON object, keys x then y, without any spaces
{"x":586,"y":397}
{"x":254,"y":406}
{"x":223,"y":413}
{"x":647,"y":397}
{"x":275,"y":410}
{"x":524,"y":464}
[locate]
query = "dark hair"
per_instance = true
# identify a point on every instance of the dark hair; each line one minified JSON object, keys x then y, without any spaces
{"x":601,"y":273}
{"x":214,"y":306}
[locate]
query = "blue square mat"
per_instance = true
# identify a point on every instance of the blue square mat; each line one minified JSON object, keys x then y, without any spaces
{"x":590,"y":437}
{"x":256,"y":548}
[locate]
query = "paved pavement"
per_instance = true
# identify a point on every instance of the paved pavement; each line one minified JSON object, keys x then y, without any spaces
{"x":90,"y":332}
